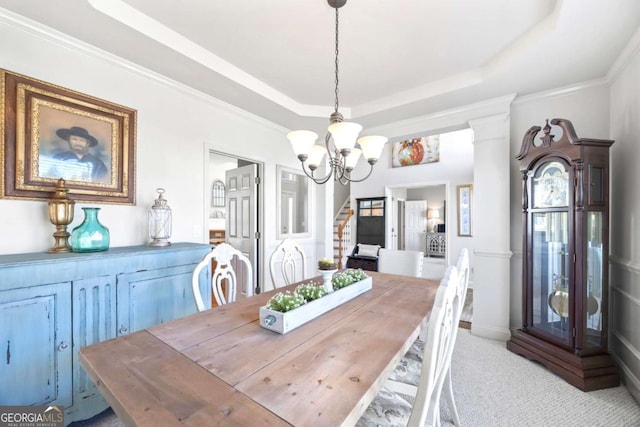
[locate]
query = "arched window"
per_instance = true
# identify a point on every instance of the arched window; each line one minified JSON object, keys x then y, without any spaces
{"x":217,"y":194}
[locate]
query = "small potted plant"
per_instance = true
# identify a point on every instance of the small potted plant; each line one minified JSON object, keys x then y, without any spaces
{"x":327,"y":264}
{"x":326,"y":267}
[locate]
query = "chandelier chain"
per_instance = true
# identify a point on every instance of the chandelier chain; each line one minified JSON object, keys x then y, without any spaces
{"x":339,"y":168}
{"x":336,"y":62}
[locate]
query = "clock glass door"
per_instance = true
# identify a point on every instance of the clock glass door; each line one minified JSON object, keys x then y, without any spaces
{"x":551,"y":299}
{"x":595,"y":281}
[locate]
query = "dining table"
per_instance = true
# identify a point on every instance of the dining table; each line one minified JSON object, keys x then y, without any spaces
{"x":219,"y":367}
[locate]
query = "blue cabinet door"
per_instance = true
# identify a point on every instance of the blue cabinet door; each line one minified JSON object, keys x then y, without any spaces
{"x":147,"y":298}
{"x":94,"y":320}
{"x":35,"y":344}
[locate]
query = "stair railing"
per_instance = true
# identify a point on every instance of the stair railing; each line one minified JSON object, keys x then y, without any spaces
{"x":344,"y":235}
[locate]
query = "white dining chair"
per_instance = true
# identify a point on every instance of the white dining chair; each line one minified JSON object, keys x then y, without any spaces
{"x":407,"y":372}
{"x":223,"y":254}
{"x":292,"y":260}
{"x":390,"y":407}
{"x":407,"y":263}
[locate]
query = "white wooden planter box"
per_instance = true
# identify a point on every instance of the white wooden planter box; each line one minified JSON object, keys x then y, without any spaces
{"x":285,"y":322}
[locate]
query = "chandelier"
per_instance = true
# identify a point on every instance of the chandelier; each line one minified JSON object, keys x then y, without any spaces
{"x":339,"y":142}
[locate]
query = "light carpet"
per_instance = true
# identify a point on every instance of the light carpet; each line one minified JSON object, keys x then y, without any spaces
{"x":467,"y":309}
{"x":496,"y":388}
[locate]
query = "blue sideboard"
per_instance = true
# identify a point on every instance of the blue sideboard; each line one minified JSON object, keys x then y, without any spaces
{"x":51,"y":305}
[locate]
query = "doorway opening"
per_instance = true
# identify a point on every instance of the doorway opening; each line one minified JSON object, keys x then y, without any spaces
{"x":238,"y":220}
{"x":418,"y":219}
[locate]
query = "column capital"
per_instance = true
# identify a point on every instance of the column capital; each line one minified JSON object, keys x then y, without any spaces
{"x":491,"y":127}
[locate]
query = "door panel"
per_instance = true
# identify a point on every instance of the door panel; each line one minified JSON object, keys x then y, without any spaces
{"x":148,"y":298}
{"x":242,"y":221}
{"x":415,"y":225}
{"x":94,"y":320}
{"x":400,"y":225}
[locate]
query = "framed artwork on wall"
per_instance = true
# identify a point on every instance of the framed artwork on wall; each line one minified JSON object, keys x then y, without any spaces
{"x":464,"y":196}
{"x":416,"y":151}
{"x":51,"y":132}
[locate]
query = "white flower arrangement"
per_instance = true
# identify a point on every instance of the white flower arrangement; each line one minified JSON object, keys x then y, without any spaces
{"x":288,"y":310}
{"x":311,"y":291}
{"x":347,"y":277}
{"x":304,"y":293}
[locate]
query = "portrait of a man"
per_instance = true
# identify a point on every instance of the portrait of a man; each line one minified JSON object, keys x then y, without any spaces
{"x":60,"y":133}
{"x":73,"y":148}
{"x":77,"y":163}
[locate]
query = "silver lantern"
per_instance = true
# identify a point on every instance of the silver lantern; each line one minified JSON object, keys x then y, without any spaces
{"x":160,"y":221}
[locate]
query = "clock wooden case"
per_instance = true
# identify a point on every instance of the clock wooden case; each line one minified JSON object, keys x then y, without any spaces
{"x":565,"y":212}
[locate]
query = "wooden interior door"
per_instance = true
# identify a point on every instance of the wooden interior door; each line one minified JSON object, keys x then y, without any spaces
{"x":242,"y":220}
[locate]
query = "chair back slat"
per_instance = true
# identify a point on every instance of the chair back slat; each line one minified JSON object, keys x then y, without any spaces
{"x":438,"y":348}
{"x":223,"y":274}
{"x":291,"y":255}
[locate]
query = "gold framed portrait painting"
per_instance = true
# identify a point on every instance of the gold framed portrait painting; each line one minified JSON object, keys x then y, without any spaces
{"x":50,"y":132}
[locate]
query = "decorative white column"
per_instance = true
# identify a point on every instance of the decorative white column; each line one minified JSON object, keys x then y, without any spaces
{"x":491,"y":227}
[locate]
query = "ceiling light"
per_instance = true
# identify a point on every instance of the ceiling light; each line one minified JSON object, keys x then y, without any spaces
{"x":340,"y":140}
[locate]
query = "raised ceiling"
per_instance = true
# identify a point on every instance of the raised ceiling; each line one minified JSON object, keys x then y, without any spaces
{"x":398,"y":59}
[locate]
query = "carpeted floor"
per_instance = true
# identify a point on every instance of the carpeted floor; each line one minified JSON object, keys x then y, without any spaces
{"x":467,"y":310}
{"x":104,"y":419}
{"x":496,"y":388}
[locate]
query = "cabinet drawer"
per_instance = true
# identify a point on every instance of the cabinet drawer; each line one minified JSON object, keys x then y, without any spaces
{"x":363,"y":263}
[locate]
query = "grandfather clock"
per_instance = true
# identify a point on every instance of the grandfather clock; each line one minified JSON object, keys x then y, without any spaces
{"x":565,"y":212}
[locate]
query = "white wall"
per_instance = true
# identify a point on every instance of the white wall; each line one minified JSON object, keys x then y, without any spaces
{"x":454,"y":168}
{"x":176,"y":126}
{"x":625,"y":218}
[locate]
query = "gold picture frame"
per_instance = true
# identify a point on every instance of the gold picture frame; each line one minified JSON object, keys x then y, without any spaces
{"x":465,"y":199}
{"x":49,"y":132}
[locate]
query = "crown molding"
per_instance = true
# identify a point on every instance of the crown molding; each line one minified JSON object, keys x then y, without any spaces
{"x":561,"y":91}
{"x":459,"y":117}
{"x":144,"y":24}
{"x":430,"y":90}
{"x":628,"y":53}
{"x":64,"y":40}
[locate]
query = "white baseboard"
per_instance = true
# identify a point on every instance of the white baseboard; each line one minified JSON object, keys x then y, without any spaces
{"x":498,"y":334}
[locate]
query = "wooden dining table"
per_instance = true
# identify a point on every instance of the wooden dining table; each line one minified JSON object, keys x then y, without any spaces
{"x":220,"y":367}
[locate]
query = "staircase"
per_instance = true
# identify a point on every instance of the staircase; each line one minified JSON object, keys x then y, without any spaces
{"x":342,"y":225}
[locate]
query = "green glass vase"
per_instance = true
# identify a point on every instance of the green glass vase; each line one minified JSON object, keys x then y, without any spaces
{"x":90,"y":236}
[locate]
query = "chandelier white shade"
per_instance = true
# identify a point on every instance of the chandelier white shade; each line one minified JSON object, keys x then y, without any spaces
{"x":302,"y":141}
{"x":315,"y":157}
{"x":344,"y":135}
{"x":352,"y":159}
{"x":340,"y":140}
{"x":372,"y":146}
